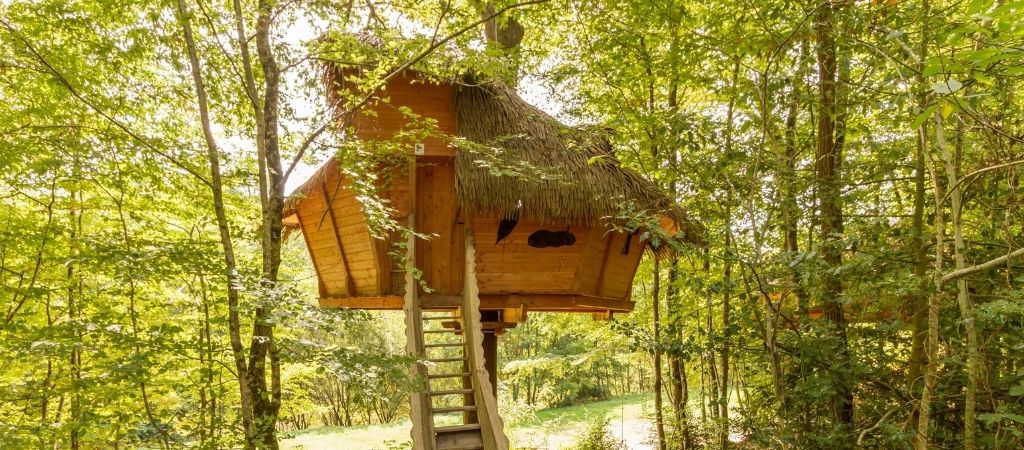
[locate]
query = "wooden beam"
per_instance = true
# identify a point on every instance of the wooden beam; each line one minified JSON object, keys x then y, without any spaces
{"x":484,"y":325}
{"x":497,"y":326}
{"x":291,"y":219}
{"x":604,"y":264}
{"x":383,"y":265}
{"x":350,"y":286}
{"x":513,"y":314}
{"x":388,"y":302}
{"x":548,"y":302}
{"x":554,"y":302}
{"x":316,"y":268}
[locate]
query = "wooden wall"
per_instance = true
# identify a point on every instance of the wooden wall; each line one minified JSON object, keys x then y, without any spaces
{"x":594,"y":265}
{"x":617,"y":270}
{"x":439,"y":257}
{"x":382,"y":119}
{"x":513,"y":266}
{"x":338,"y":239}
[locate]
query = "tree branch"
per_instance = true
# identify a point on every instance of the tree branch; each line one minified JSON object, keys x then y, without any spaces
{"x":992,"y":263}
{"x":979,"y":172}
{"x":74,"y":92}
{"x":305,"y":145}
{"x":437,"y":45}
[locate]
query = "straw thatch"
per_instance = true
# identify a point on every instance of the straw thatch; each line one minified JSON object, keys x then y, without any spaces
{"x":513,"y":155}
{"x":589,"y":183}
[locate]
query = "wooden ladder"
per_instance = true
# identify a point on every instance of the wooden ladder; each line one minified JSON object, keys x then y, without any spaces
{"x":449,"y":357}
{"x":449,"y":385}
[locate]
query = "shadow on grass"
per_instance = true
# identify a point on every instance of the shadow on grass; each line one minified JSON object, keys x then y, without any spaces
{"x":549,"y":428}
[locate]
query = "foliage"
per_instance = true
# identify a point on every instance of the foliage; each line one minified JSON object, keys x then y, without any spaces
{"x":115,"y":328}
{"x":597,"y":438}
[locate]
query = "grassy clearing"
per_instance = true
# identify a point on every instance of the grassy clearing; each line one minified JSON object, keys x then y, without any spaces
{"x":550,"y":429}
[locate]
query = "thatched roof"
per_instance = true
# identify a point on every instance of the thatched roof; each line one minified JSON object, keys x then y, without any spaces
{"x":515,"y":155}
{"x":578,"y":178}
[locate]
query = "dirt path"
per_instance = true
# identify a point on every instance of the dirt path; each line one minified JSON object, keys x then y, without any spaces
{"x":635,"y":432}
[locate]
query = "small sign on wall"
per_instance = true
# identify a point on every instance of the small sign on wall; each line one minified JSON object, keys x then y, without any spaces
{"x":419,"y":149}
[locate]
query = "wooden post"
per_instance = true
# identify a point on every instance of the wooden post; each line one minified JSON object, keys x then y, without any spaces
{"x":422,"y":432}
{"x":490,"y":344}
{"x":468,"y":399}
{"x":491,"y":426}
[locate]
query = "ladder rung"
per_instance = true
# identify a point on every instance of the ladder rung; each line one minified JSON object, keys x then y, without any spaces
{"x":444,"y":360}
{"x":451,"y":392}
{"x":451,"y":409}
{"x":439,"y":331}
{"x":439,"y":318}
{"x":457,"y":428}
{"x":449,"y":375}
{"x":445,"y":344}
{"x":466,"y":446}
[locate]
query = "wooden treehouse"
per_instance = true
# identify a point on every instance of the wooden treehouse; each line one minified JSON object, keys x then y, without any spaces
{"x":496,"y":240}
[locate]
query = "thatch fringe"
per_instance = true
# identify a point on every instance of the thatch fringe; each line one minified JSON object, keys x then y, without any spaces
{"x":313,"y":183}
{"x":591,"y":186}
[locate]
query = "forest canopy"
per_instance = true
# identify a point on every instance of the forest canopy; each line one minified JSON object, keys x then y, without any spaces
{"x":855,"y":166}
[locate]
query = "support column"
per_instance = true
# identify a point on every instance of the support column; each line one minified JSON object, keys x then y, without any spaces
{"x":490,"y":343}
{"x":468,"y":399}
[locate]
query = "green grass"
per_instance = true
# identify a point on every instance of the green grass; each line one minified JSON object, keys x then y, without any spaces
{"x":550,"y":429}
{"x":557,"y":428}
{"x":361,"y":437}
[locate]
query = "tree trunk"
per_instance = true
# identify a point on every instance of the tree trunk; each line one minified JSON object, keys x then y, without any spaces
{"x":134,"y":319}
{"x":708,"y":357}
{"x":934,"y":303}
{"x":922,"y":307}
{"x":790,"y":210}
{"x":262,"y":349}
{"x":723,"y":381}
{"x":659,"y":420}
{"x":506,"y":35}
{"x":677,"y":367}
{"x":963,"y":298}
{"x":723,"y":396}
{"x":827,"y":167}
{"x":74,"y":291}
{"x":919,"y":303}
{"x":216,"y":186}
{"x":680,"y":399}
{"x":206,"y":347}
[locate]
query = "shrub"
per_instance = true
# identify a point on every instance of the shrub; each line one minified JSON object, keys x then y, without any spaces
{"x":597,"y":437}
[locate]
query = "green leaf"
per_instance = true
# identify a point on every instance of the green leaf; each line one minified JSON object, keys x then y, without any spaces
{"x":947,"y":87}
{"x":1017,"y":391}
{"x":921,"y":118}
{"x":998,"y":417}
{"x":983,"y":55}
{"x":947,"y":109}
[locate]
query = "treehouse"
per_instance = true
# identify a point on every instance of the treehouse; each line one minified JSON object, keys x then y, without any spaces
{"x":512,"y":212}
